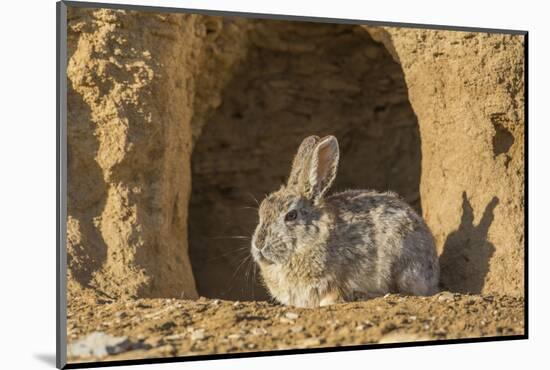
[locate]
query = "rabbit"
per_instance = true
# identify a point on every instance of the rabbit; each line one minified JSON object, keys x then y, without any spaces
{"x":315,"y":250}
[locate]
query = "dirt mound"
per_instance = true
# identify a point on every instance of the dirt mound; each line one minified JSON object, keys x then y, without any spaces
{"x":172,"y":327}
{"x":137,"y":87}
{"x":467,"y":90}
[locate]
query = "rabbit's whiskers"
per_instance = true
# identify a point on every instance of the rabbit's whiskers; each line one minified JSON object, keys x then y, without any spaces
{"x":239,"y":266}
{"x":254,"y":198}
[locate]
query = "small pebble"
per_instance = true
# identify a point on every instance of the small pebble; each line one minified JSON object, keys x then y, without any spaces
{"x":99,"y":344}
{"x":175,"y":336}
{"x":310,"y":342}
{"x":369,"y":323}
{"x":291,"y":315}
{"x":258,"y":331}
{"x":397,"y":337}
{"x":234,"y":336}
{"x":297,"y":329}
{"x":446,"y":297}
{"x":198,"y":334}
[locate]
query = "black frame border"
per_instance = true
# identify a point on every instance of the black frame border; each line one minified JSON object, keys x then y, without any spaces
{"x":61,"y":185}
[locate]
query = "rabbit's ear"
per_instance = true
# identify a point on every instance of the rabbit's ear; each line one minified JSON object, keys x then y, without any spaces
{"x":300,"y":163}
{"x":322,"y":167}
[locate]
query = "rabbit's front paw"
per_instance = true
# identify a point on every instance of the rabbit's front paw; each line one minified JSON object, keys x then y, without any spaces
{"x":330,"y":298}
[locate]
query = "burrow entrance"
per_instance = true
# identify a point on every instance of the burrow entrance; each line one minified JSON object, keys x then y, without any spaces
{"x":298,"y":79}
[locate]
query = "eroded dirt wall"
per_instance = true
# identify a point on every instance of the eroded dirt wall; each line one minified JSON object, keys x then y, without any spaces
{"x":299,"y":79}
{"x":136,"y":86}
{"x":467,"y":90}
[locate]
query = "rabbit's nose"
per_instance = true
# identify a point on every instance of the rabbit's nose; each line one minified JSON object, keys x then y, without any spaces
{"x":255,"y":244}
{"x":258,"y":241}
{"x":258,"y":246}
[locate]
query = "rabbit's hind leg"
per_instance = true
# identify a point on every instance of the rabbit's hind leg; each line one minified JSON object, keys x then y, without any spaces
{"x":330,"y":298}
{"x":417,"y":279}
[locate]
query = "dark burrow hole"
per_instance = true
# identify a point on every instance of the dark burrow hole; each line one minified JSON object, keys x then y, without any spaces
{"x":328,"y":79}
{"x":502,"y":140}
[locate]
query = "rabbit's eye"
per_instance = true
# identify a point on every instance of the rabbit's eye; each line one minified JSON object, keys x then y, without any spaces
{"x":291,"y":215}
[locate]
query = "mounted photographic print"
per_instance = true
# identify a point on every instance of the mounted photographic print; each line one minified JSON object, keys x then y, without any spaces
{"x":237,"y":184}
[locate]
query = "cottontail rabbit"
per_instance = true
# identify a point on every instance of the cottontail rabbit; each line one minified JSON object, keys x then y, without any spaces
{"x":315,"y":250}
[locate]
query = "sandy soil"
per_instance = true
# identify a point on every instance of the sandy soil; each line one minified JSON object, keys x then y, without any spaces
{"x":172,"y":327}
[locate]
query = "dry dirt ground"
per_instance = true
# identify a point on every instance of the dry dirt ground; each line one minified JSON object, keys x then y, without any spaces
{"x":172,"y":327}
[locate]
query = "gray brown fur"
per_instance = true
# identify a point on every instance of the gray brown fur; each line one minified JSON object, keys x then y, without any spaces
{"x":356,"y":243}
